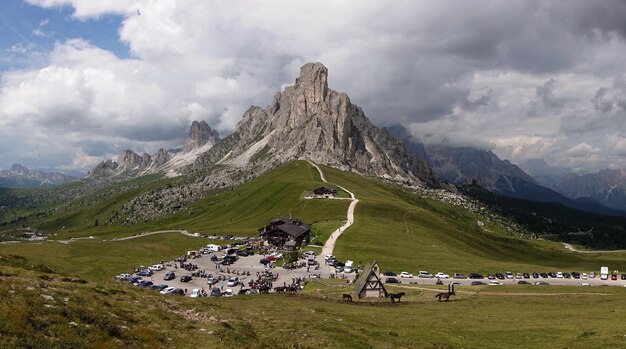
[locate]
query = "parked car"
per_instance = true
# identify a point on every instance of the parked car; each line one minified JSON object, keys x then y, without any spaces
{"x":500,"y":276}
{"x":518,"y":275}
{"x":535,"y":275}
{"x":392,"y":280}
{"x":459,"y":276}
{"x":228,"y":292}
{"x":476,"y":276}
{"x":559,"y":274}
{"x":523,"y":282}
{"x":623,"y":276}
{"x":216,"y":292}
{"x":604,"y":276}
{"x":526,"y":275}
{"x":169,"y":276}
{"x":491,"y":276}
{"x":156,"y":267}
{"x":509,"y":275}
{"x":145,"y":272}
{"x":552,"y":274}
{"x":178,"y":292}
{"x":584,"y":276}
{"x":567,"y":275}
{"x":277,"y":255}
{"x":160,"y":287}
{"x":389,"y":273}
{"x":185,"y":278}
{"x":406,"y":274}
{"x":195,"y":293}
{"x":576,"y":275}
{"x":613,"y":277}
{"x":478,"y":283}
{"x":544,"y":275}
{"x":442,"y":275}
{"x":212,"y":281}
{"x":541,"y":283}
{"x":233,"y":281}
{"x":145,"y":283}
{"x":494,"y":283}
{"x":425,"y":274}
{"x":592,"y":275}
{"x":167,"y":290}
{"x":123,"y":276}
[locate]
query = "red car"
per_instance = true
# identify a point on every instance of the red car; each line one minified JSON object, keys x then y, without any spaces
{"x":613,"y":277}
{"x":271,"y":258}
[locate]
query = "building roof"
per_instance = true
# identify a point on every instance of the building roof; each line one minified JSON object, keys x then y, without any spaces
{"x":288,"y":225}
{"x":364,"y":277}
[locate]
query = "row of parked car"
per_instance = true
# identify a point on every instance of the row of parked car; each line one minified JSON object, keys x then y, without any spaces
{"x":391,"y":276}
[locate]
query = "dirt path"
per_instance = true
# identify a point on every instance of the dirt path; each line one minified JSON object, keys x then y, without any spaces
{"x":573,"y":249}
{"x":329,"y":246}
{"x":184,"y":232}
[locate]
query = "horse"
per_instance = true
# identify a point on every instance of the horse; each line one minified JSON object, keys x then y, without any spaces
{"x":397,"y":296}
{"x":347,"y":297}
{"x":444,"y":295}
{"x":280,"y":289}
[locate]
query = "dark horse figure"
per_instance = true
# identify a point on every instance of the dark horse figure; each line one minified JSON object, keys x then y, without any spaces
{"x":444,"y":295}
{"x":347,"y":297}
{"x":397,"y":296}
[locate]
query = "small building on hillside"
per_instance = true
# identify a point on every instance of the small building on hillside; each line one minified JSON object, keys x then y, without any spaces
{"x":325,"y":192}
{"x":368,"y":284}
{"x":286,"y":232}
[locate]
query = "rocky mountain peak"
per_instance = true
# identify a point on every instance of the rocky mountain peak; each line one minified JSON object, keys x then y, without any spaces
{"x":200,"y":134}
{"x":313,"y":83}
{"x":19,"y":169}
{"x":310,"y":121}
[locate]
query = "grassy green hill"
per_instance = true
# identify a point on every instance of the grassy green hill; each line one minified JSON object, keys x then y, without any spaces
{"x":392,"y":225}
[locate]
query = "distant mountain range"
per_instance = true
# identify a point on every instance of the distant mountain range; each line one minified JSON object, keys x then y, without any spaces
{"x":19,"y":176}
{"x":461,"y":165}
{"x":129,"y":164}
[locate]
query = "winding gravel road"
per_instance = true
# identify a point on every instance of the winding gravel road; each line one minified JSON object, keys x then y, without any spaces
{"x":329,"y":246}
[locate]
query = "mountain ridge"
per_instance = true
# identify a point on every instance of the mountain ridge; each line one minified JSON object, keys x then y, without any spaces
{"x":18,"y":176}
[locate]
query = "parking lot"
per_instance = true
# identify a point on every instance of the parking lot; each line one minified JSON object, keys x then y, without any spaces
{"x":206,"y":274}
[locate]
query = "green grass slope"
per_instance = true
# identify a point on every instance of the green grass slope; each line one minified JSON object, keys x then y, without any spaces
{"x":405,"y":232}
{"x":46,"y":309}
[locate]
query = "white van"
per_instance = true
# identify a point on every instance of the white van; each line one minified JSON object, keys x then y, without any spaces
{"x":213,"y":248}
{"x":348,"y":267}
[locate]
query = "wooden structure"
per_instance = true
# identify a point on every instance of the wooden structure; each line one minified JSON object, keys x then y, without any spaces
{"x":368,"y":284}
{"x":325,"y":191}
{"x":286,"y":232}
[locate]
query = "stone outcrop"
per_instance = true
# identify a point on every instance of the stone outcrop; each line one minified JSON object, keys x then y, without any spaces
{"x":199,"y":135}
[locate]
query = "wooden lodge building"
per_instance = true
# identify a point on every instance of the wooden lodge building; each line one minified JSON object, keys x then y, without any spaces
{"x":287,"y":232}
{"x":325,"y":192}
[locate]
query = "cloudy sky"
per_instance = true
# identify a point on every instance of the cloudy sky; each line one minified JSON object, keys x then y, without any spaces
{"x":82,"y":80}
